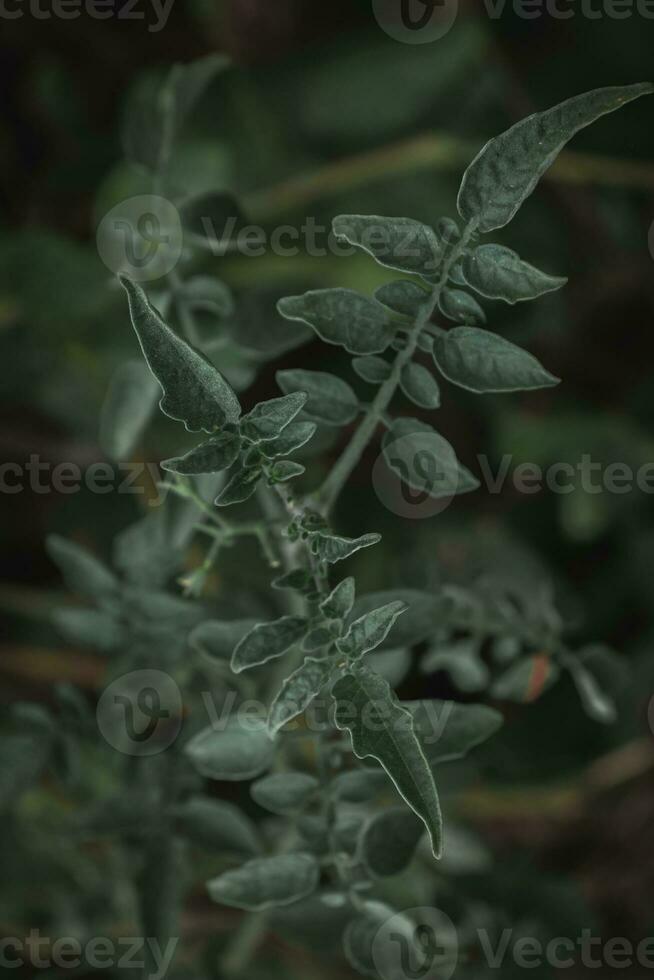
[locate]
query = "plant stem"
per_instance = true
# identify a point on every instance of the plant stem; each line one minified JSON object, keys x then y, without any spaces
{"x":331,"y":488}
{"x":252,"y":928}
{"x":430,"y":151}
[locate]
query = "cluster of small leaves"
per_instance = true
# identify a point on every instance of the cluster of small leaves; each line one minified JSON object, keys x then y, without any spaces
{"x":359,"y":803}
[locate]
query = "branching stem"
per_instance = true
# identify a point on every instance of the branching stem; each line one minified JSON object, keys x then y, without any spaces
{"x":331,"y":488}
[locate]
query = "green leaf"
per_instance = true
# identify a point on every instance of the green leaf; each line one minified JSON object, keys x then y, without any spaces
{"x":298,"y":691}
{"x":374,"y":370}
{"x":370,"y":630}
{"x":127,"y":408}
{"x":317,"y":639}
{"x":460,"y":307}
{"x":267,"y":882}
{"x":461,"y":659}
{"x":388,"y":841}
{"x":339,"y":602}
{"x":218,"y":639}
{"x":211,"y":456}
{"x":82,"y":572}
{"x":397,"y":243}
{"x":596,"y":703}
{"x":420,"y":386}
{"x":207,"y":294}
{"x":480,"y":361}
{"x":507,"y":169}
{"x":448,"y":730}
{"x":268,"y":419}
{"x":284,"y":792}
{"x":364,"y":943}
{"x":298,"y":580}
{"x":499,"y":273}
{"x":294,"y":436}
{"x":331,"y":400}
{"x":425,"y":614}
{"x":89,"y":627}
{"x":425,"y":461}
{"x":332,"y":548}
{"x":240,"y":487}
{"x":448,"y":231}
{"x":343,"y":317}
{"x":195,"y":393}
{"x":266,"y":641}
{"x":403,"y":297}
{"x":360,"y":785}
{"x":216,"y":825}
{"x":526,"y":680}
{"x":283,"y":470}
{"x":380,"y":728}
{"x":241,"y":750}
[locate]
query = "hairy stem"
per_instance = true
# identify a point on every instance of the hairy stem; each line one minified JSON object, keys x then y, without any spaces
{"x":331,"y":488}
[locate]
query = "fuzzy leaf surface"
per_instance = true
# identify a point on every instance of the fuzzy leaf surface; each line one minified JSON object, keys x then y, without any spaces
{"x":194,"y":391}
{"x":508,"y":168}
{"x":381,"y":729}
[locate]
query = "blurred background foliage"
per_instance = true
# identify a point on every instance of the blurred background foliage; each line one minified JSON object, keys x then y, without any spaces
{"x":323,"y":114}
